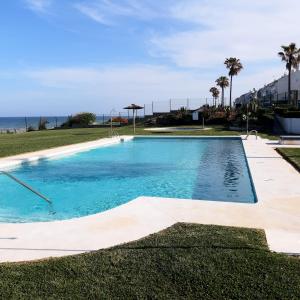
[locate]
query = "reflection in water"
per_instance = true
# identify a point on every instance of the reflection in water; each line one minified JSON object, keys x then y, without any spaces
{"x":223,"y":170}
{"x":232,"y":173}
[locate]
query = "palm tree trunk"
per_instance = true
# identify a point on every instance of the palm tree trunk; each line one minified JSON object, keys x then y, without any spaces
{"x":289,"y":87}
{"x":230,"y":91}
{"x":223,"y":97}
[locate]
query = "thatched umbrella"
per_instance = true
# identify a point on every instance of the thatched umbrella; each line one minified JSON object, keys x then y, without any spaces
{"x":134,"y":108}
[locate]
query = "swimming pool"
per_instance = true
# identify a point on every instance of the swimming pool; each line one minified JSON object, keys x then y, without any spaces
{"x":97,"y":180}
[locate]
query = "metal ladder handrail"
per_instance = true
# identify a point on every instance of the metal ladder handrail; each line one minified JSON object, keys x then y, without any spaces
{"x":114,"y":133}
{"x":252,"y":131}
{"x":26,"y":186}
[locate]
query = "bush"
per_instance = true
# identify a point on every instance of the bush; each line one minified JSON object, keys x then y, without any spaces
{"x":174,"y":119}
{"x":43,"y":124}
{"x":291,"y":114}
{"x":280,"y":110}
{"x":287,"y":113}
{"x":120,"y":120}
{"x":80,"y":120}
{"x":30,"y":128}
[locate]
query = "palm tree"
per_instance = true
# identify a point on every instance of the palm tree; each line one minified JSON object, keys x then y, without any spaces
{"x":223,"y":83}
{"x":290,"y":55}
{"x":215,"y":94}
{"x":234,"y":66}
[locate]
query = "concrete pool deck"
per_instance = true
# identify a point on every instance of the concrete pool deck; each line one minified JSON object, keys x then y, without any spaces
{"x":277,"y":211}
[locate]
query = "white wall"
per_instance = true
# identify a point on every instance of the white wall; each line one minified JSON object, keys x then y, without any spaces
{"x":244,"y":99}
{"x":282,"y":85}
{"x":195,"y":116}
{"x":290,"y":125}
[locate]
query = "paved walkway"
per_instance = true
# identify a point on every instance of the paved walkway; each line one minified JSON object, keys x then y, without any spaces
{"x":277,"y":211}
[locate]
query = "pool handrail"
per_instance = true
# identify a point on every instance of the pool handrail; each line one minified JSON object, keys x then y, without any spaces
{"x":26,"y":186}
{"x":114,"y":134}
{"x":250,"y":132}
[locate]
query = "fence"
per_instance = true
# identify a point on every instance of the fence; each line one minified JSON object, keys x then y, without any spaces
{"x":173,"y":104}
{"x":279,"y":99}
{"x":22,"y":124}
{"x":156,"y":107}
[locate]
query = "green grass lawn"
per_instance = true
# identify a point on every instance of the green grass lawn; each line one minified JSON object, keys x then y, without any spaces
{"x":292,"y":155}
{"x":11,"y":144}
{"x":186,"y":261}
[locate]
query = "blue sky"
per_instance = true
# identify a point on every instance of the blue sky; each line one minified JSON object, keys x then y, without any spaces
{"x":60,"y":57}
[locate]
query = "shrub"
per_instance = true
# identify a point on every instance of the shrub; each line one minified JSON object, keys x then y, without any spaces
{"x":30,"y":128}
{"x":280,"y":110}
{"x":43,"y":124}
{"x":80,"y":120}
{"x":287,"y":113}
{"x":120,"y":120}
{"x":291,"y":114}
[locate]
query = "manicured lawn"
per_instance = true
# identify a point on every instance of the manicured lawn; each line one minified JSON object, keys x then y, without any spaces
{"x":11,"y":144}
{"x":292,"y":155}
{"x":186,"y":261}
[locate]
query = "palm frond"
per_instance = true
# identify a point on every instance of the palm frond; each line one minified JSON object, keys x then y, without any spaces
{"x":234,"y":65}
{"x":222,"y":82}
{"x":290,"y":55}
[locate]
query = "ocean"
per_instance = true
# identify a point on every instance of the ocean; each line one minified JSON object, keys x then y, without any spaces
{"x":19,"y":123}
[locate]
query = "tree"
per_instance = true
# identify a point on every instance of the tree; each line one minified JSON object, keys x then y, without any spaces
{"x":43,"y":123}
{"x":215,"y":94}
{"x":291,"y":56}
{"x":223,"y":83}
{"x":80,"y":120}
{"x":234,"y":66}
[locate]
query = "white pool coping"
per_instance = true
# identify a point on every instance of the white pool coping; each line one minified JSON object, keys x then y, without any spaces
{"x":277,"y":211}
{"x":175,"y":129}
{"x":16,"y":160}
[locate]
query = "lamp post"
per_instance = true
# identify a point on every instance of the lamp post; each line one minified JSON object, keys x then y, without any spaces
{"x":247,"y":119}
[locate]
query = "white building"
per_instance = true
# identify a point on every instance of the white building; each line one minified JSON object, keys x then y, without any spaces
{"x":276,"y":91}
{"x":244,"y":99}
{"x":197,"y":114}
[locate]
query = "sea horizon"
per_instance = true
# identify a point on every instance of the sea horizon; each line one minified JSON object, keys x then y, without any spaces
{"x":20,"y":123}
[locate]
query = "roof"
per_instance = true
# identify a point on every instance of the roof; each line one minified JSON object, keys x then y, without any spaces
{"x":200,"y":109}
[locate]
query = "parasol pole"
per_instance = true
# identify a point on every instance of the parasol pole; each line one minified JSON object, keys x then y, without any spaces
{"x":133,"y":111}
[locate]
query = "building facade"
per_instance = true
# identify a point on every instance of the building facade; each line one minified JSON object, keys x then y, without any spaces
{"x":275,"y":92}
{"x":244,"y":99}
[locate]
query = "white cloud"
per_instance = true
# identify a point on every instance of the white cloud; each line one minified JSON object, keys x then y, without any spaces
{"x":63,"y":91}
{"x":138,"y":81}
{"x":106,"y":12}
{"x":101,"y":89}
{"x":112,"y":86}
{"x":213,"y":29}
{"x":92,"y":12}
{"x":251,"y":30}
{"x":38,"y":5}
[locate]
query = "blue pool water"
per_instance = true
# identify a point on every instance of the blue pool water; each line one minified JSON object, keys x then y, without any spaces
{"x":97,"y":180}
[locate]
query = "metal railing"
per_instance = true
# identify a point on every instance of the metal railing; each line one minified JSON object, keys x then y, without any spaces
{"x":250,"y":132}
{"x":25,"y":185}
{"x":113,"y":133}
